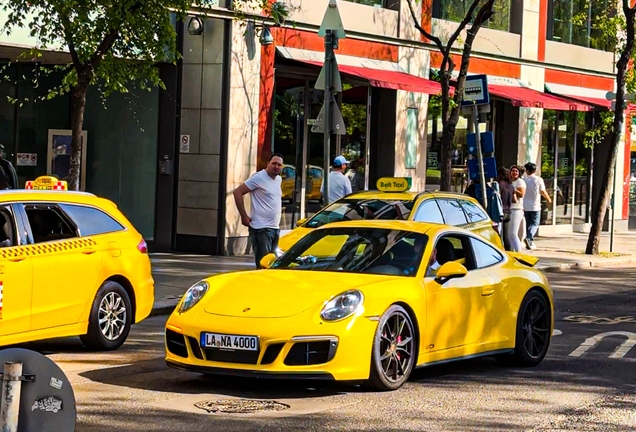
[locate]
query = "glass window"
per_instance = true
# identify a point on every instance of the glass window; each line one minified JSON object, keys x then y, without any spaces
{"x":48,"y":223}
{"x":357,"y":250}
{"x":456,"y":10}
{"x":369,"y":2}
{"x":91,"y":221}
{"x":428,"y":211}
{"x":357,"y":209}
{"x":474,"y":212}
{"x":448,"y":248}
{"x":576,"y":22}
{"x":485,"y":256}
{"x":452,"y":211}
{"x":8,"y":231}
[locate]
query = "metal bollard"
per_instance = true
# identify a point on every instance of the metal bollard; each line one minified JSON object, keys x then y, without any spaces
{"x":10,"y":403}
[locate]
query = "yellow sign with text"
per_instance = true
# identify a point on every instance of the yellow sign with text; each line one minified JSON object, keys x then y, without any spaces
{"x":46,"y":183}
{"x":394,"y":184}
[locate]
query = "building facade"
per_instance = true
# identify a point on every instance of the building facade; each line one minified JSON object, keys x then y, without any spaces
{"x":244,"y":90}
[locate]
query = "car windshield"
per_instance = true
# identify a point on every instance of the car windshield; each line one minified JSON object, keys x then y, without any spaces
{"x":357,"y":250}
{"x":359,"y":209}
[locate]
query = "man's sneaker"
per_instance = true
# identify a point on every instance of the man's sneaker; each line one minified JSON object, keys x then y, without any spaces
{"x":532,"y":246}
{"x":528,"y":243}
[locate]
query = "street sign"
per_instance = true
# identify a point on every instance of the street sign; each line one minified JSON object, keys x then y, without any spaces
{"x":184,"y":144}
{"x":337,"y":122}
{"x":336,"y":82}
{"x":332,"y":21}
{"x":490,"y":168}
{"x":486,"y":140}
{"x":476,"y":90}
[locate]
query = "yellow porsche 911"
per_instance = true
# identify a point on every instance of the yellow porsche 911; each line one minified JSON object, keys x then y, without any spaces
{"x":366,"y":301}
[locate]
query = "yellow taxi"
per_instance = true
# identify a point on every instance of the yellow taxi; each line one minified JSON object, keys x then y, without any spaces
{"x":314,"y":182}
{"x":393,"y":296}
{"x":394,"y":201}
{"x":71,"y":264}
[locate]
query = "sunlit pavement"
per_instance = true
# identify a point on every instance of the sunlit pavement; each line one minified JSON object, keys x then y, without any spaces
{"x":132,"y":390}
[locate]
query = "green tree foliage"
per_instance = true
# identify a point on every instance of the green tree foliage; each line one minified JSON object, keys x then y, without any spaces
{"x":112,"y":44}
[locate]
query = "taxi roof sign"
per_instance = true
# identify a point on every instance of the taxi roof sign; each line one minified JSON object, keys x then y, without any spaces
{"x":46,"y":183}
{"x":394,"y":184}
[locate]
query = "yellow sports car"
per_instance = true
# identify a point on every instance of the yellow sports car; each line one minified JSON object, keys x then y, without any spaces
{"x":72,"y":265}
{"x":397,"y":203}
{"x":395,"y":295}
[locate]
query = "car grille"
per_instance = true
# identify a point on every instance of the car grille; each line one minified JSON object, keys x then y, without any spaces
{"x":175,"y":343}
{"x":242,"y":357}
{"x":271,"y":353}
{"x":196,"y":349}
{"x":311,"y":353}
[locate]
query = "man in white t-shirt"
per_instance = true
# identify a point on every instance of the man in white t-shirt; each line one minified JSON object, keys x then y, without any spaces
{"x":339,"y":184}
{"x":264,"y":219}
{"x":535,"y":188}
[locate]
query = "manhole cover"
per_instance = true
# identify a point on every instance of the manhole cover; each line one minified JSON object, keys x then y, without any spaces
{"x":240,"y":406}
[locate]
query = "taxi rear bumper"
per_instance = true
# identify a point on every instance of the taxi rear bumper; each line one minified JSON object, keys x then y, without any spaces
{"x":145,"y":299}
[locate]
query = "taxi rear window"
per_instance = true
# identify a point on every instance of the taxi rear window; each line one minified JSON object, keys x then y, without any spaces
{"x":91,"y":221}
{"x":358,"y":209}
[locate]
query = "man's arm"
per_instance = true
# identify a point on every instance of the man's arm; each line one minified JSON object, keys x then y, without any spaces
{"x":544,"y":192}
{"x":238,"y":193}
{"x":347,"y":187}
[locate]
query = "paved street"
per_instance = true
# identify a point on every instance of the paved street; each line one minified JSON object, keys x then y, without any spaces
{"x":132,"y":389}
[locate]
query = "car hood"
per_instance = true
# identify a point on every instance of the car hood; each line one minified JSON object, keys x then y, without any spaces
{"x":288,"y":240}
{"x":279,"y":293}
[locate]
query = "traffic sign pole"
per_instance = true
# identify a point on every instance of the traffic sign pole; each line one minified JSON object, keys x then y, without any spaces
{"x":480,"y":156}
{"x":328,"y":96}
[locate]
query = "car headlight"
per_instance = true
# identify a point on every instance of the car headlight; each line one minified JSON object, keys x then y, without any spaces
{"x":342,"y":306}
{"x":193,"y":295}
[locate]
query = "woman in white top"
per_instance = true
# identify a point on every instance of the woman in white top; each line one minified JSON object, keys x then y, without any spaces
{"x":516,"y":209}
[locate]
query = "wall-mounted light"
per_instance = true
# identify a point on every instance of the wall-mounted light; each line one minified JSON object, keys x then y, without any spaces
{"x":261,"y":30}
{"x":266,"y":37}
{"x":195,"y":26}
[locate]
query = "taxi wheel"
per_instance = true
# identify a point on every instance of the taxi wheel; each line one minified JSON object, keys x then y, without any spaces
{"x":393,"y":353}
{"x":533,"y":332}
{"x":110,"y":319}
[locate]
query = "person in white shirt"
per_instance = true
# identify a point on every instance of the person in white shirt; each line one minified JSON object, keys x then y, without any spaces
{"x":535,"y":188}
{"x":264,"y":219}
{"x":516,"y":209}
{"x":339,"y":184}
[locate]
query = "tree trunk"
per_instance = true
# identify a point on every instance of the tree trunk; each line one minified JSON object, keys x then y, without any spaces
{"x":77,"y":123}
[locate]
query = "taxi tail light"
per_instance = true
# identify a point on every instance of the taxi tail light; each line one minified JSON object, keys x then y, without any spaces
{"x":142,"y":246}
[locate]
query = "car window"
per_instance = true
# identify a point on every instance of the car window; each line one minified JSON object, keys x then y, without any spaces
{"x":485,"y":255}
{"x":428,"y":211}
{"x":474,"y":212}
{"x":91,"y":221}
{"x":8,"y":231}
{"x":357,"y":209}
{"x":452,"y":211}
{"x":288,"y":173}
{"x":449,"y":248}
{"x":48,"y":223}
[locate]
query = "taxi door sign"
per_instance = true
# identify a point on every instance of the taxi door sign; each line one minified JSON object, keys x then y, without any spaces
{"x":46,"y":183}
{"x":394,"y":184}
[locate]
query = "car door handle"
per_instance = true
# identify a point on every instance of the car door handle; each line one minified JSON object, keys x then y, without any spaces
{"x":487,"y":292}
{"x":17,"y":258}
{"x":89,"y":251}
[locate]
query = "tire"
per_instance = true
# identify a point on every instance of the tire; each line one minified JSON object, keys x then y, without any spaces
{"x":533,"y":335}
{"x":392,"y":355}
{"x":111,"y":300}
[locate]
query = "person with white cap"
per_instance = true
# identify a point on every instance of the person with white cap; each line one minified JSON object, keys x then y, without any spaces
{"x":339,"y":184}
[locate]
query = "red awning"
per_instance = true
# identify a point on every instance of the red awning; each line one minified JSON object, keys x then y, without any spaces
{"x":527,"y":97}
{"x":388,"y":79}
{"x":599,"y":102}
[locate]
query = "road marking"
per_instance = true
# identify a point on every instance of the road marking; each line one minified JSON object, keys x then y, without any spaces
{"x":617,"y":354}
{"x":590,"y":319}
{"x":556,"y":332}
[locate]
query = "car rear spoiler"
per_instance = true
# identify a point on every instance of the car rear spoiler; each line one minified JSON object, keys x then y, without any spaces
{"x":528,"y":260}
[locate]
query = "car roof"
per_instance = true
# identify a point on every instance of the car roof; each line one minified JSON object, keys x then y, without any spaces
{"x":400,"y":225}
{"x":407,"y":196}
{"x":74,"y":197}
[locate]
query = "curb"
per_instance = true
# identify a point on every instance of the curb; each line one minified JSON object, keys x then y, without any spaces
{"x":163,"y":307}
{"x":608,"y":263}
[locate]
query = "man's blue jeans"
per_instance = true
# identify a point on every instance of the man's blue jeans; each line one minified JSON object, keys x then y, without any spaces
{"x":533,"y":219}
{"x":264,"y":241}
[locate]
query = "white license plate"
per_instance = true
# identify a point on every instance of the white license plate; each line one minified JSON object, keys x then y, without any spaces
{"x":229,"y":342}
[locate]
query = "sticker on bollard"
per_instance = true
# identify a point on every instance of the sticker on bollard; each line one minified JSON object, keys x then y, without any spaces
{"x":47,"y":401}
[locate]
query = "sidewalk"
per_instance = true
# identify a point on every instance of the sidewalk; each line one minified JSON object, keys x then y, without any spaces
{"x":175,"y":273}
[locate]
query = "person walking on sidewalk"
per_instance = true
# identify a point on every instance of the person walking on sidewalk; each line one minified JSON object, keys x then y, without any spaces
{"x":506,"y":191}
{"x":516,"y":209}
{"x":535,"y":188}
{"x":339,"y":185}
{"x":9,"y":170}
{"x":264,"y":219}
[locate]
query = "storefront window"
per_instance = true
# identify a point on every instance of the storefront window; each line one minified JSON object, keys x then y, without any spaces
{"x":456,"y":10}
{"x":574,"y":22}
{"x":379,"y":3}
{"x":547,"y":164}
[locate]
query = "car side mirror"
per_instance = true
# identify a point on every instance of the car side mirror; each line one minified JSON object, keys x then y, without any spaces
{"x":268,"y":260}
{"x":448,"y":271}
{"x":301,"y":222}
